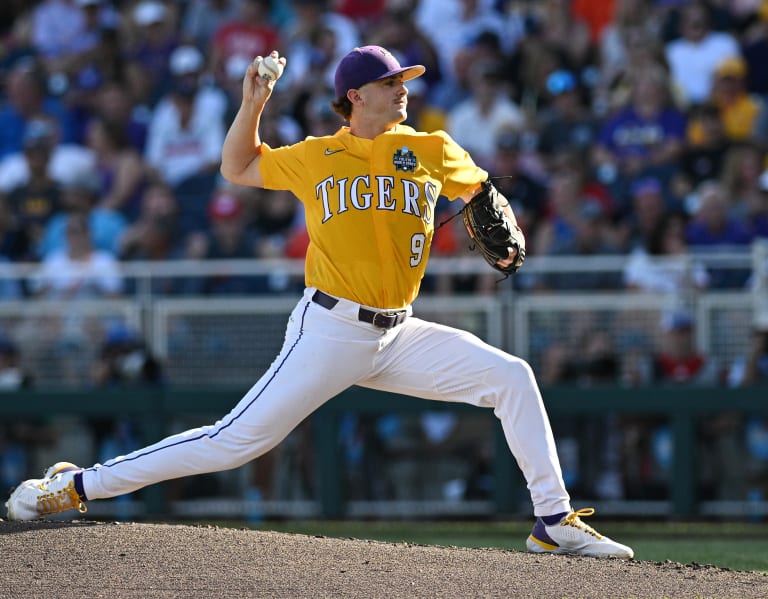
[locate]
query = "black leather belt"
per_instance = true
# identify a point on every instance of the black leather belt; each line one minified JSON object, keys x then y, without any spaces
{"x":382,"y":320}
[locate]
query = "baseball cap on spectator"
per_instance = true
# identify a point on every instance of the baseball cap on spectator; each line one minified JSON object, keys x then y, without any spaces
{"x":677,"y":321}
{"x":367,"y":64}
{"x":149,"y":12}
{"x":224,"y":206}
{"x":560,"y":82}
{"x":646,"y":185}
{"x":119,"y":334}
{"x":186,"y":60}
{"x":733,"y":66}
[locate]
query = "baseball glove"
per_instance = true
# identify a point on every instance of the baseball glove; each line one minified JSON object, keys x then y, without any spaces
{"x":491,"y":230}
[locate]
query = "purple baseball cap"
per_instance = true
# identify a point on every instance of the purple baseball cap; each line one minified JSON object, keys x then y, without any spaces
{"x":370,"y":63}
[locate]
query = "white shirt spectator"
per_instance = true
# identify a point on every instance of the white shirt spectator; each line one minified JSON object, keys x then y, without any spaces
{"x":476,"y":122}
{"x":178,"y":152}
{"x":68,"y":163}
{"x":446,"y":26}
{"x":61,"y":277}
{"x":692,"y":64}
{"x":664,"y":274}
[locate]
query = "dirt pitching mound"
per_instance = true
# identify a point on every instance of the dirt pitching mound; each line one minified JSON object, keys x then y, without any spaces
{"x":115,"y":560}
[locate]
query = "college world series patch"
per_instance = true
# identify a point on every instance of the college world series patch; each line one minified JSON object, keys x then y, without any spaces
{"x":404,"y":160}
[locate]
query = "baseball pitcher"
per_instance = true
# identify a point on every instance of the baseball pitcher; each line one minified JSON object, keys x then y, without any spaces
{"x":369,"y":194}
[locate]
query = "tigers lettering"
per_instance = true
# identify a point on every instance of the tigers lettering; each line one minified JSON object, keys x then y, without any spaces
{"x":338,"y":196}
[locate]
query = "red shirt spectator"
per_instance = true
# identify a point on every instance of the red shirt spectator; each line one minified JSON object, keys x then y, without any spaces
{"x":250,"y":35}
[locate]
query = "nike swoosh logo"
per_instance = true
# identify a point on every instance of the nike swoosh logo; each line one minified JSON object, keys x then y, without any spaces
{"x":328,"y":151}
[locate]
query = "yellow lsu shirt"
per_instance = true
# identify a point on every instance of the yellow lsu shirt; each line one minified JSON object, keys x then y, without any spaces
{"x":370,"y":206}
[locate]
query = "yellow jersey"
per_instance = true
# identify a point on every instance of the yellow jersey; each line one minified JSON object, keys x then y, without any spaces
{"x":370,"y":206}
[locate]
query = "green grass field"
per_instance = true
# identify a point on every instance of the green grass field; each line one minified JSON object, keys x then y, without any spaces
{"x":738,"y":546}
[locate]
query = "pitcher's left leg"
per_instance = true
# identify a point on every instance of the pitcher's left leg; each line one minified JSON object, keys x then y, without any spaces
{"x":436,"y":362}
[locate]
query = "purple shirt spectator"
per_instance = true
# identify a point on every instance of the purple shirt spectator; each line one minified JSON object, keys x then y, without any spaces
{"x":628,"y":134}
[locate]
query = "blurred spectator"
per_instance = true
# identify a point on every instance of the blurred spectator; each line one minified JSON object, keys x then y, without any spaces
{"x":564,"y":31}
{"x":645,"y":138}
{"x":33,"y":202}
{"x":453,"y":25}
{"x":641,"y":217}
{"x":148,"y":55}
{"x":631,"y":25}
{"x":576,"y":223}
{"x":751,"y":368}
{"x":712,"y":228}
{"x":712,"y":223}
{"x":115,"y":104}
{"x":81,"y":198}
{"x":678,"y":360}
{"x":65,"y":162}
{"x":248,"y":34}
{"x":121,"y":170}
{"x":203,"y":17}
{"x":152,"y":235}
{"x":740,"y":111}
{"x":315,"y":30}
{"x":567,"y":125}
{"x":25,"y":99}
{"x":155,"y":237}
{"x":663,"y":264}
{"x":95,"y":69}
{"x":705,"y":149}
{"x":79,"y":270}
{"x":125,"y":359}
{"x":68,"y":60}
{"x":613,"y":90}
{"x":229,"y":237}
{"x":186,"y":132}
{"x":694,"y":56}
{"x":741,"y":180}
{"x":476,"y":122}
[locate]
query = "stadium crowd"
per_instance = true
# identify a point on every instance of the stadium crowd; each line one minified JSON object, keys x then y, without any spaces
{"x":620,"y":127}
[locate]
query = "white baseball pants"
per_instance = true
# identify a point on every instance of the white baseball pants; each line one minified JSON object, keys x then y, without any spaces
{"x":325,"y":352}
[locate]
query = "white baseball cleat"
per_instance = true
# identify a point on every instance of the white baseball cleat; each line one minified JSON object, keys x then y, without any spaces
{"x":52,"y":494}
{"x":571,"y":535}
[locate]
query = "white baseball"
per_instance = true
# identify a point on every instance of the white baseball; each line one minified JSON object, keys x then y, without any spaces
{"x":270,"y":69}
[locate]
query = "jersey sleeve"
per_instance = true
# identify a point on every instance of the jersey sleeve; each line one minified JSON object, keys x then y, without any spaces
{"x":461,"y":172}
{"x":283,"y":167}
